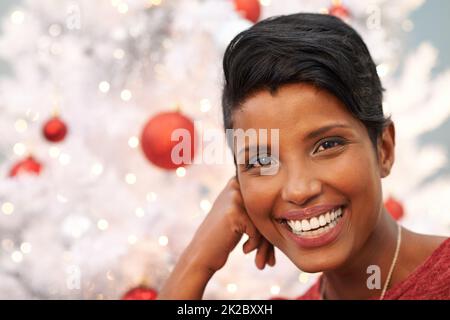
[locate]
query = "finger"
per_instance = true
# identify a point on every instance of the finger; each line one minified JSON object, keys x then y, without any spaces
{"x":251,"y":244}
{"x":254,"y":239}
{"x":261,"y":254}
{"x":271,"y":261}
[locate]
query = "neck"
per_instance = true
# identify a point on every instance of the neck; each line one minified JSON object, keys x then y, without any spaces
{"x":350,"y":280}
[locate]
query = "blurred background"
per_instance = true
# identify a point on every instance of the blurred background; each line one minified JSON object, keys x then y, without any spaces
{"x":91,"y":204}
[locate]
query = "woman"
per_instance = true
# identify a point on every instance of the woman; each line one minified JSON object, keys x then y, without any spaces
{"x":311,"y":77}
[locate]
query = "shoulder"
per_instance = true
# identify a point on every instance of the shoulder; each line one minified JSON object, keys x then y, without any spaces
{"x":431,"y":279}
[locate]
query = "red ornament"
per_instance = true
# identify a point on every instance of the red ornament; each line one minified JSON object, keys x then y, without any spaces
{"x":54,"y":130}
{"x":394,"y":207}
{"x":278,"y":298}
{"x":156,"y":139}
{"x":26,"y":166}
{"x":249,"y":9}
{"x":338,"y":10}
{"x":140,"y":293}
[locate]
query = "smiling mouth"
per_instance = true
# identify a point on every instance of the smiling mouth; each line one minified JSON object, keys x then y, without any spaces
{"x":316,"y":226}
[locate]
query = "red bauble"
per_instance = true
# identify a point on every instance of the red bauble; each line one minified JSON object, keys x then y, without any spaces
{"x":156,"y":139}
{"x":54,"y":130}
{"x":278,"y":298}
{"x":394,"y":207}
{"x":249,"y":9}
{"x":28,"y":165}
{"x":140,"y":293}
{"x":340,"y":11}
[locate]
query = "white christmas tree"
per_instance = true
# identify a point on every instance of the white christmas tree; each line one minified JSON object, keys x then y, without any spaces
{"x":100,"y":219}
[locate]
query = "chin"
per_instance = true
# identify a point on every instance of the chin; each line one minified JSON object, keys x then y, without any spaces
{"x":321,"y":260}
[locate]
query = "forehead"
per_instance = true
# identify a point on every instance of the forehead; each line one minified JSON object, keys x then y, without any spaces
{"x":293,"y":107}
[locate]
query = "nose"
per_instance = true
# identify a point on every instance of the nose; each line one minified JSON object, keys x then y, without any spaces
{"x":301,"y":187}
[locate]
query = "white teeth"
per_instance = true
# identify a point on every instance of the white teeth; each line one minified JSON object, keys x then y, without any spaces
{"x":305,"y":225}
{"x":322,"y":220}
{"x":316,"y":225}
{"x":291,"y":224}
{"x":314,"y":222}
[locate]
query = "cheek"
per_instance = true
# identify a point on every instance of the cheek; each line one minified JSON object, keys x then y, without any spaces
{"x":259,"y":195}
{"x":354,"y":174}
{"x":356,"y":177}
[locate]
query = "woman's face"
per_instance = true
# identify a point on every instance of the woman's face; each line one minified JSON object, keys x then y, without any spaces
{"x":317,"y":171}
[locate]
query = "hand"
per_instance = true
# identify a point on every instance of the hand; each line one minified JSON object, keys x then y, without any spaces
{"x":222,"y":230}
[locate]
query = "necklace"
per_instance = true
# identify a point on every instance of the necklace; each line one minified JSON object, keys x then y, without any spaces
{"x":391,"y":270}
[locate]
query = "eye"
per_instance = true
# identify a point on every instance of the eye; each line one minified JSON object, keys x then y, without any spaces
{"x":260,"y":161}
{"x":330,"y":143}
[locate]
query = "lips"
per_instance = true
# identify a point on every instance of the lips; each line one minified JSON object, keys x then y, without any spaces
{"x":315,"y":226}
{"x":308,"y":213}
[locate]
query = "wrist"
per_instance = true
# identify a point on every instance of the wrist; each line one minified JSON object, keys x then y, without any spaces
{"x":195,"y":263}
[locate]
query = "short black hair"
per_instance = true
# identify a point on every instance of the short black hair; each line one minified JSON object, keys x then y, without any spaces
{"x":319,"y":49}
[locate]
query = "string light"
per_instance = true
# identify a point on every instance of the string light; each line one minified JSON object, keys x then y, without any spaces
{"x":205,"y":105}
{"x":133,"y":142}
{"x":163,"y":241}
{"x":19,"y":148}
{"x":407,"y":25}
{"x":102,"y":224}
{"x":54,"y":152}
{"x":151,"y":196}
{"x":155,"y":2}
{"x":181,"y":172}
{"x":383,"y":70}
{"x":97,"y":169}
{"x":55,"y":30}
{"x":139,"y":212}
{"x":205,"y":205}
{"x":132,"y":239}
{"x":104,"y":86}
{"x":17,"y":17}
{"x":130,"y":178}
{"x":25,"y":247}
{"x":122,"y":8}
{"x":61,"y":198}
{"x":232,"y":287}
{"x":275,"y":289}
{"x":125,"y":95}
{"x":303,"y":277}
{"x":21,"y":125}
{"x":64,"y":159}
{"x":17,"y":256}
{"x":118,"y":54}
{"x":7,"y":208}
{"x":76,"y":225}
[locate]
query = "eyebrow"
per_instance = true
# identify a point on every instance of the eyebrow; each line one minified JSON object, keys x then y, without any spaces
{"x":253,"y":148}
{"x":313,"y":134}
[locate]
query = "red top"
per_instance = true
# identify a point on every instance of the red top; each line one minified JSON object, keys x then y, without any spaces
{"x":429,"y":281}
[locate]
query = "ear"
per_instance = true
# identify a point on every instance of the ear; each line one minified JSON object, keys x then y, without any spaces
{"x":386,"y":150}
